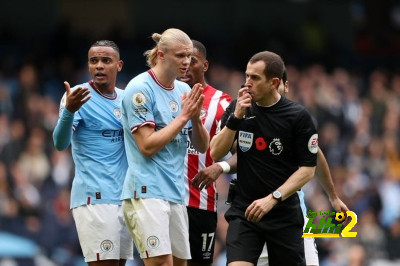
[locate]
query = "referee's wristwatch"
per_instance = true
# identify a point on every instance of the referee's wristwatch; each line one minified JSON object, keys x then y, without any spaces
{"x":277,"y":195}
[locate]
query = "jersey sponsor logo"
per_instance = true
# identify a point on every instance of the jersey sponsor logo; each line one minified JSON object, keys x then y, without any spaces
{"x":107,"y":245}
{"x":140,"y":111}
{"x":117,"y":113}
{"x":173,"y":106}
{"x":113,"y":134}
{"x":153,"y":242}
{"x":245,"y":140}
{"x":139,"y":99}
{"x":191,"y":149}
{"x":276,"y":147}
{"x":313,"y":144}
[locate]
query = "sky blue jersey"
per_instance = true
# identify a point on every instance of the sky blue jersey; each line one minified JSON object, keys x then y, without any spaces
{"x":147,"y":102}
{"x":96,"y":136}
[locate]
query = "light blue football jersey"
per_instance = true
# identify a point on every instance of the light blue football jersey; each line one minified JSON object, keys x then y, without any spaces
{"x":146,"y":101}
{"x":97,"y":148}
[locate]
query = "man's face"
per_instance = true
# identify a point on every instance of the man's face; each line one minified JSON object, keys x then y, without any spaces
{"x":259,"y":87}
{"x":198,"y":66}
{"x":104,"y":64}
{"x":177,"y":59}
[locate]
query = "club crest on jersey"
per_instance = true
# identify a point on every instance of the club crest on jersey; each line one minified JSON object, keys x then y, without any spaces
{"x":173,"y":106}
{"x":245,"y":140}
{"x":117,"y":113}
{"x":203,"y":113}
{"x":139,"y":99}
{"x":107,"y":245}
{"x":313,"y":144}
{"x":153,"y":242}
{"x":276,"y":147}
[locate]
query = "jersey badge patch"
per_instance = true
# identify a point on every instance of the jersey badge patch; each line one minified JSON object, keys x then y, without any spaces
{"x":153,"y":242}
{"x":245,"y":140}
{"x":117,"y":113}
{"x":139,"y":99}
{"x":313,"y":144}
{"x":276,"y":147}
{"x":173,"y":106}
{"x":107,"y":245}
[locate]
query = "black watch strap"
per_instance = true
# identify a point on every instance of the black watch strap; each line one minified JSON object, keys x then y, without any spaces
{"x":233,"y":122}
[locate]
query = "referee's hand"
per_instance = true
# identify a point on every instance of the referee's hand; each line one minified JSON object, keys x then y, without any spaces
{"x":256,"y":211}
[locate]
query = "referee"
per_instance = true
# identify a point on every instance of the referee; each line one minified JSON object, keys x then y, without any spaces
{"x":277,"y":146}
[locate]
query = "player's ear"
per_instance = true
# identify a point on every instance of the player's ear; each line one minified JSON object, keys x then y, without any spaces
{"x":120,"y":65}
{"x":276,"y":82}
{"x":205,"y":65}
{"x":160,"y":54}
{"x":286,"y":86}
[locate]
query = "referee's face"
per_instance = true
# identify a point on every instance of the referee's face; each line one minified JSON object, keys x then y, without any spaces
{"x":259,"y":87}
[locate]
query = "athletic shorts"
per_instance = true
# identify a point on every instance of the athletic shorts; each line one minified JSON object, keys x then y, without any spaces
{"x":158,"y":227}
{"x":310,"y":251}
{"x":281,"y":229}
{"x":102,"y":232}
{"x":202,"y":227}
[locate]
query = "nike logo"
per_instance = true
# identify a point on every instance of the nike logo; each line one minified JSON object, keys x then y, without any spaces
{"x":250,"y":117}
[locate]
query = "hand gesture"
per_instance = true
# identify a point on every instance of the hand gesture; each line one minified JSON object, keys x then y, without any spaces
{"x":206,"y":176}
{"x":77,"y":98}
{"x":259,"y":208}
{"x":243,"y":102}
{"x":193,"y":102}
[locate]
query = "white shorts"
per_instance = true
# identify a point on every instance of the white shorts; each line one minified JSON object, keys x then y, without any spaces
{"x":102,"y":232}
{"x":158,"y":227}
{"x":310,"y":251}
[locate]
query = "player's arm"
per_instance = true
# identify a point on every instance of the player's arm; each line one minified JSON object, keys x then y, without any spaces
{"x":222,"y":143}
{"x":62,"y":133}
{"x":150,"y":141}
{"x":208,"y":175}
{"x":199,"y":136}
{"x":325,"y":179}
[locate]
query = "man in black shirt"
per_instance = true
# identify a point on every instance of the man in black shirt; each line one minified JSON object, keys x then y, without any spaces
{"x":277,"y":146}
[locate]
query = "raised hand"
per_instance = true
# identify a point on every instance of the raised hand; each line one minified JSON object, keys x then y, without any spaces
{"x":77,"y":98}
{"x":243,"y":102}
{"x":193,"y":102}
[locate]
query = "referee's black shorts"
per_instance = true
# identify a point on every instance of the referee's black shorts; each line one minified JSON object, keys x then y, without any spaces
{"x":281,"y":229}
{"x":202,"y":227}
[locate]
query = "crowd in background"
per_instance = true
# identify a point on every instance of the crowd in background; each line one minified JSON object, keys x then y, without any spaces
{"x":357,"y":115}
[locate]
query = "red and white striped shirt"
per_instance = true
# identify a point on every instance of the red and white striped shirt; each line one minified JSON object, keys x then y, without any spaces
{"x":215,"y":103}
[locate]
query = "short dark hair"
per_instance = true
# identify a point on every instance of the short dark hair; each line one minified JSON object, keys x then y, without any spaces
{"x":274,"y":66}
{"x":200,"y":47}
{"x":106,"y":43}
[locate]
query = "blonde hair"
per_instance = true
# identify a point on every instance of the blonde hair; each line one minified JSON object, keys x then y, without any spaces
{"x":163,"y":41}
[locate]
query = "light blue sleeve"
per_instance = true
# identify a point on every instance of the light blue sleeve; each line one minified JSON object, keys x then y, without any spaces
{"x":62,"y":133}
